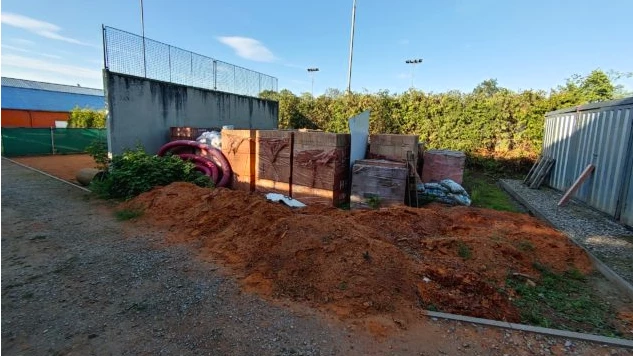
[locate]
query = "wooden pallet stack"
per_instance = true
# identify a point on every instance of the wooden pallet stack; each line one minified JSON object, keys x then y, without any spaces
{"x":539,"y":171}
{"x":273,"y":164}
{"x":238,"y":146}
{"x":320,"y":167}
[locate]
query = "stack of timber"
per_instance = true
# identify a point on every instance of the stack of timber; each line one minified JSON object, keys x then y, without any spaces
{"x":539,"y":172}
{"x":274,"y":161}
{"x":238,"y":146}
{"x":378,"y":183}
{"x":393,"y":147}
{"x":320,"y":168}
{"x":443,"y":164}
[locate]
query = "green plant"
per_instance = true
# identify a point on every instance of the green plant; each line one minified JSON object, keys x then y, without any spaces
{"x":128,"y":214}
{"x":564,"y":301}
{"x":464,"y":251}
{"x":98,"y":150}
{"x":135,"y":172}
{"x":485,"y":193}
{"x":525,"y":246}
{"x":374,"y":201}
{"x":86,"y":118}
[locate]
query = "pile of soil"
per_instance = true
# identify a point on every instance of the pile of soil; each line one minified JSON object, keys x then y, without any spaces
{"x":359,"y":263}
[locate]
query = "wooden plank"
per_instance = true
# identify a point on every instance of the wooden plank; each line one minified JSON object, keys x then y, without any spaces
{"x":539,"y":171}
{"x":574,"y":187}
{"x":528,"y":176}
{"x":548,"y":167}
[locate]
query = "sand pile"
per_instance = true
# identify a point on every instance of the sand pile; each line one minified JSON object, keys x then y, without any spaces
{"x":366,"y":262}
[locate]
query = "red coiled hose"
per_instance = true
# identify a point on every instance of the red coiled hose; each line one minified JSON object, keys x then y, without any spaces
{"x":208,"y":153}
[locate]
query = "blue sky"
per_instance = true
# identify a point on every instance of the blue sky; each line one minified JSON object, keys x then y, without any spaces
{"x":524,"y":44}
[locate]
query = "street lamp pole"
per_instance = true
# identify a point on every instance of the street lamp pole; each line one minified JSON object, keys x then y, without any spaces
{"x":311,"y":71}
{"x":413,"y":62}
{"x":143,"y":35}
{"x":351,"y":49}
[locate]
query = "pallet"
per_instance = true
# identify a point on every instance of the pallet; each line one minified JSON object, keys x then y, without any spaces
{"x":539,"y":171}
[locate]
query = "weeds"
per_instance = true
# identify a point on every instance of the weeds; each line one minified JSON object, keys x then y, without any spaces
{"x":128,"y":214}
{"x":525,"y":246}
{"x":464,"y":251}
{"x":374,"y":202}
{"x":564,"y":301}
{"x":485,"y":193}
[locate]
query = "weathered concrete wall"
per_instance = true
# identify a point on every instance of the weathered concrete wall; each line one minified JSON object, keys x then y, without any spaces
{"x":142,"y":111}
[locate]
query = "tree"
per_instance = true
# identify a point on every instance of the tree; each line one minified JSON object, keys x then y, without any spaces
{"x":87,"y":118}
{"x":597,"y":86}
{"x":488,"y":87}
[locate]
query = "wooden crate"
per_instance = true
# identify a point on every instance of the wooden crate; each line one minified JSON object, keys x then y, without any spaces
{"x":320,"y":169}
{"x":238,"y":146}
{"x":393,"y":147}
{"x":443,"y":164}
{"x":377,"y":181}
{"x":273,"y":152}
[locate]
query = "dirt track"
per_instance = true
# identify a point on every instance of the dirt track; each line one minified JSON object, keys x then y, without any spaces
{"x":75,"y":281}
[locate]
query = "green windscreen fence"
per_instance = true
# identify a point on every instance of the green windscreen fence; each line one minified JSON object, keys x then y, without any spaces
{"x":46,"y":141}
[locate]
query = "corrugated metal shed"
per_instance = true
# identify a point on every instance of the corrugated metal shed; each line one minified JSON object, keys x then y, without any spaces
{"x":29,"y":95}
{"x":30,"y":84}
{"x":599,"y":134}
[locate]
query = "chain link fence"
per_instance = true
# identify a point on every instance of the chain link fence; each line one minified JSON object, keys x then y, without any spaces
{"x":127,"y":53}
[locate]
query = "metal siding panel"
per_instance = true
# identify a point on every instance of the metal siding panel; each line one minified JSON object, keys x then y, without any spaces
{"x":42,"y":100}
{"x":600,"y":135}
{"x":30,"y":84}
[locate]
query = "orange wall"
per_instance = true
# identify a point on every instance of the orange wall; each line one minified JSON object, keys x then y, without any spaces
{"x":25,"y":118}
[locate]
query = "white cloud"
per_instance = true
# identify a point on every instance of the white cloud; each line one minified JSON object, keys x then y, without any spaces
{"x":18,"y":49}
{"x":41,"y":28}
{"x":22,"y":42}
{"x":248,"y":48}
{"x":15,"y":61}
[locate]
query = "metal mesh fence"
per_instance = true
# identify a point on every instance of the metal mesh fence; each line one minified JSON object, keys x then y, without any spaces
{"x":127,"y":53}
{"x":46,"y":141}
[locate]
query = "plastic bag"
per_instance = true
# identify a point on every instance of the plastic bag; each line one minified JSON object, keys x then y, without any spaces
{"x":453,"y":186}
{"x":447,"y":192}
{"x":211,"y":138}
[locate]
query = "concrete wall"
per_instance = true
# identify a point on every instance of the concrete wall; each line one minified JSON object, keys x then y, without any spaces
{"x":142,"y":110}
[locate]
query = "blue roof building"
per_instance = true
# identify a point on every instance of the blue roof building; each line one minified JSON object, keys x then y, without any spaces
{"x":21,"y":94}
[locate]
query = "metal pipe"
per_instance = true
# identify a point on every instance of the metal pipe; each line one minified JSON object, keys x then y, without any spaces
{"x":351,"y":49}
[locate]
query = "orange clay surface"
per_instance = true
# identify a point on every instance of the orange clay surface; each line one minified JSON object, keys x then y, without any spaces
{"x":363,"y":263}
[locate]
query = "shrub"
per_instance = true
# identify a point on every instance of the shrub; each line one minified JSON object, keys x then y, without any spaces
{"x":98,"y":150}
{"x":135,"y":172}
{"x":87,"y":118}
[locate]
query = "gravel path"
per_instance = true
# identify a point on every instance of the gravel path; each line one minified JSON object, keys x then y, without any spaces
{"x":77,"y":282}
{"x":609,"y":241}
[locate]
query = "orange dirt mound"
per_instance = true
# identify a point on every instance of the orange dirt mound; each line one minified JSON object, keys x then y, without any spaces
{"x":365,"y":262}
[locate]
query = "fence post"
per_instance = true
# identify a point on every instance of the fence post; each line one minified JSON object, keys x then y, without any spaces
{"x":105,"y":47}
{"x":191,"y":70}
{"x":52,"y":141}
{"x":169,"y":48}
{"x":260,"y":84}
{"x":215,"y":75}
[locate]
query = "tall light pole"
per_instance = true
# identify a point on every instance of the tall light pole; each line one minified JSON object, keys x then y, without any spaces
{"x":351,"y":49}
{"x":311,"y":71}
{"x":413,"y":63}
{"x":143,"y":35}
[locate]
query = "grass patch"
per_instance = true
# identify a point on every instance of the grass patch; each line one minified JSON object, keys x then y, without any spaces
{"x":127,"y":214}
{"x":464,"y":251}
{"x":563,"y":301}
{"x":525,"y":246}
{"x":485,"y":193}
